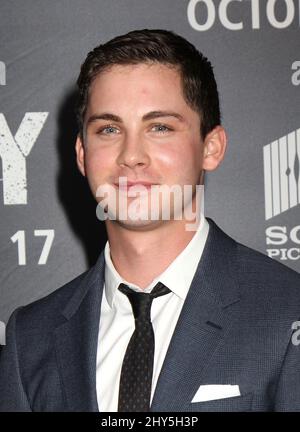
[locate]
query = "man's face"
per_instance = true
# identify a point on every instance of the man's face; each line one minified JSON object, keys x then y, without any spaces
{"x":138,"y":126}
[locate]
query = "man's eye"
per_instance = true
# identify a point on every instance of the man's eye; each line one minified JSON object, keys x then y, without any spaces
{"x":108,"y":130}
{"x":161,"y":128}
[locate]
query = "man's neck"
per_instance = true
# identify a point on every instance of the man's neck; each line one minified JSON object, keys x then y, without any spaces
{"x":139,"y":256}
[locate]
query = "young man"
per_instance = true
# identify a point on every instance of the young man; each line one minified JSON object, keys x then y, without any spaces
{"x":170,"y":318}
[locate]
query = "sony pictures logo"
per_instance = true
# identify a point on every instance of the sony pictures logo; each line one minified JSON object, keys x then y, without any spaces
{"x":281,"y":174}
{"x":203,"y":14}
{"x":282,"y":193}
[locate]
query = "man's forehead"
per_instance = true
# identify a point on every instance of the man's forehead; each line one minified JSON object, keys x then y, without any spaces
{"x":158,"y":91}
{"x":140,"y":83}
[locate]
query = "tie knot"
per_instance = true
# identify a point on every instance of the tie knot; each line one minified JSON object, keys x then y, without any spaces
{"x":141,"y":302}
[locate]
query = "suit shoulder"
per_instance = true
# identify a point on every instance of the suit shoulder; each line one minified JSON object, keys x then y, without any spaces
{"x":254,"y":261}
{"x":252,"y":264}
{"x":267,"y":278}
{"x":46,"y":312}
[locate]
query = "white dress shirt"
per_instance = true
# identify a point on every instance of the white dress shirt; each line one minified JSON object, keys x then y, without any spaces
{"x":117,"y":320}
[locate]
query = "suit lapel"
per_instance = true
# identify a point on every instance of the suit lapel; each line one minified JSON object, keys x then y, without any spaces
{"x":76,"y":342}
{"x":207,"y":315}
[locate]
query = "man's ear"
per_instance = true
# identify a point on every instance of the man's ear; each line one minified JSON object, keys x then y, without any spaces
{"x":215,"y":144}
{"x":80,"y":153}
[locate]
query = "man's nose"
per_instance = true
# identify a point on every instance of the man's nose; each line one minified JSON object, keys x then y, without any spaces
{"x":134,"y":152}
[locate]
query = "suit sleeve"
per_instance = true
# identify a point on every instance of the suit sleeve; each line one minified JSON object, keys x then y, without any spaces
{"x":288,"y":389}
{"x":12,"y":395}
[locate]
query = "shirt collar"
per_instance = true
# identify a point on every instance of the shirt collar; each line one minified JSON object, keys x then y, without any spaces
{"x":178,"y":275}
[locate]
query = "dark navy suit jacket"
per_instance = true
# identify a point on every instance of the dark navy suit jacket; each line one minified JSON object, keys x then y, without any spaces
{"x":235,"y":328}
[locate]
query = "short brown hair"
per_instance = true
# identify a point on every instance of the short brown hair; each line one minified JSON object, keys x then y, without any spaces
{"x":157,"y":46}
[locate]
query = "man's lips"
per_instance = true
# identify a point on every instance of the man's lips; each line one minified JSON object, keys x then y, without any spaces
{"x":137,"y":185}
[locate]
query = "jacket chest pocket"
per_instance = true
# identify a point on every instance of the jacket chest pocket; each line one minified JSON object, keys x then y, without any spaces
{"x":231,"y":404}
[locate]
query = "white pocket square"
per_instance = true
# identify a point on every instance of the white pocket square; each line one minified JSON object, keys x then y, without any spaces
{"x":216,"y":391}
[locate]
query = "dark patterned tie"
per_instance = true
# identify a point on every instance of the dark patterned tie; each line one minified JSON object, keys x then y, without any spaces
{"x":137,"y":367}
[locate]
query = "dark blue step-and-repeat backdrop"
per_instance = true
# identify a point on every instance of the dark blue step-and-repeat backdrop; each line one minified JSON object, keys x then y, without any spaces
{"x":49,"y":232}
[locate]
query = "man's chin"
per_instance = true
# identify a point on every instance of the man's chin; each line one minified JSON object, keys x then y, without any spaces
{"x":137,"y":225}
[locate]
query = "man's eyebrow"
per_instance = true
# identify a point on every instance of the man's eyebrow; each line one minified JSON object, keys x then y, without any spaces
{"x":157,"y":114}
{"x":104,"y":116}
{"x":149,"y":116}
